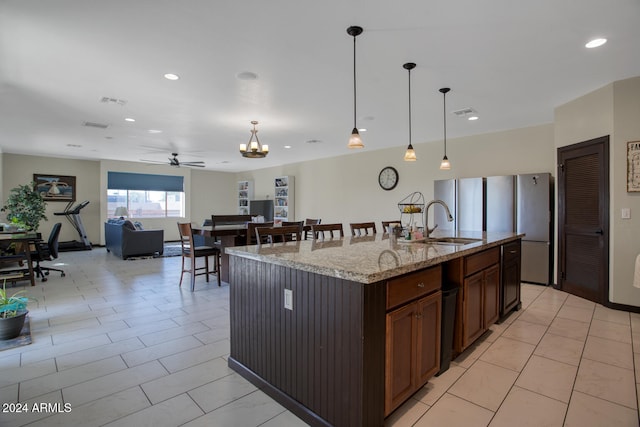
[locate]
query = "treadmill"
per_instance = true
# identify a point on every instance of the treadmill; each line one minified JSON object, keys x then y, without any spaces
{"x":73,"y":215}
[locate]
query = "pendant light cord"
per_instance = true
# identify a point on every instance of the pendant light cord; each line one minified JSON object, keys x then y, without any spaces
{"x":444,"y":115}
{"x":409,"y":107}
{"x":354,"y":81}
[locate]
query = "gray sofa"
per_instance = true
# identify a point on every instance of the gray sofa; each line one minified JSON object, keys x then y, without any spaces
{"x":124,"y":239}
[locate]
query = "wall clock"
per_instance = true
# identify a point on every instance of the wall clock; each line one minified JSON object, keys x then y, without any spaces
{"x":388,"y":178}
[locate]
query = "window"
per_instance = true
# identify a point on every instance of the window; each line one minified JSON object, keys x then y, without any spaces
{"x":145,"y":195}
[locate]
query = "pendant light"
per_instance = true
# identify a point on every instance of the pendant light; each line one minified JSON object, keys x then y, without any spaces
{"x":410,"y":154}
{"x":253,"y":149}
{"x":354,"y":141}
{"x":445,"y":164}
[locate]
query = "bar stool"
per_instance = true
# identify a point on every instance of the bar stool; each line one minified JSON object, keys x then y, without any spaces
{"x":192,"y":252}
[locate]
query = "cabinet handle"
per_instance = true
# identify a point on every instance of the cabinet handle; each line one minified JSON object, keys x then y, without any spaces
{"x":418,"y":316}
{"x":513,"y":252}
{"x":421,"y":285}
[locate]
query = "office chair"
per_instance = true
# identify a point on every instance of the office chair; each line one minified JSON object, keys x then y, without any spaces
{"x":47,"y":251}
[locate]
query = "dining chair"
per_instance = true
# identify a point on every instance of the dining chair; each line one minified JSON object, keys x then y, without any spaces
{"x":251,"y":231}
{"x":308,"y":223}
{"x":318,"y":230}
{"x":192,"y":252}
{"x":283,"y":233}
{"x":362,"y":228}
{"x":385,"y":225}
{"x":299,"y":224}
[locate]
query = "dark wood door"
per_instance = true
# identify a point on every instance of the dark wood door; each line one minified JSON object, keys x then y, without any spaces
{"x":583,"y":219}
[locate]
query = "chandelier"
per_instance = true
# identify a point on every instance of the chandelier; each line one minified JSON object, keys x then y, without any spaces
{"x":253,"y":149}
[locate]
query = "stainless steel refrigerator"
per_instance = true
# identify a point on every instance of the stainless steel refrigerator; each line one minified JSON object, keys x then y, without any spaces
{"x":534,"y":213}
{"x":522,"y":203}
{"x":465,"y":198}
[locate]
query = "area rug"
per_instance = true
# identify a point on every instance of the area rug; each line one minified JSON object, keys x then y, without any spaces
{"x":23,"y":339}
{"x":172,"y":250}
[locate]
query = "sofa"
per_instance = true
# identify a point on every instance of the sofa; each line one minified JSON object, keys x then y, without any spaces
{"x":125,"y":239}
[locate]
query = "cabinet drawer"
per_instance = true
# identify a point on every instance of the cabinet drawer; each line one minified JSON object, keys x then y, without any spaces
{"x":481,"y":260}
{"x":511,"y":251}
{"x":413,"y":285}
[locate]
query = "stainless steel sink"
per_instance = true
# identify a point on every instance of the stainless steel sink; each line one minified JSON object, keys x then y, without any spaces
{"x":452,"y":240}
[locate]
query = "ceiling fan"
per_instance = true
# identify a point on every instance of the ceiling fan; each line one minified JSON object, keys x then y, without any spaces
{"x":173,"y":161}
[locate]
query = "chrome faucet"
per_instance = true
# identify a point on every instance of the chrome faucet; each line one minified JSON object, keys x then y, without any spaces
{"x":426,"y":213}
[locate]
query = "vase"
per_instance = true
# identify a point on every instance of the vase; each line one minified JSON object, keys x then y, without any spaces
{"x":12,"y":326}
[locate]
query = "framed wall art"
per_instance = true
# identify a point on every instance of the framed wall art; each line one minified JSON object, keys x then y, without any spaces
{"x":55,"y":188}
{"x":633,"y":166}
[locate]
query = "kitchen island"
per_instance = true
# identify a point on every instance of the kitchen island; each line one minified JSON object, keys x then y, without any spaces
{"x":312,"y":322}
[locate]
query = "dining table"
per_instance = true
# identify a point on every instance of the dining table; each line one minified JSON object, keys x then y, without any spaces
{"x":15,"y":248}
{"x":226,"y":235}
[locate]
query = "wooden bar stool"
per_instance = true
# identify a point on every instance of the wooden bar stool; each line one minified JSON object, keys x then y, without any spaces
{"x":192,"y":252}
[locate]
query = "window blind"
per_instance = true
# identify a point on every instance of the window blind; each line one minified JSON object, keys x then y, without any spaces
{"x":143,"y":181}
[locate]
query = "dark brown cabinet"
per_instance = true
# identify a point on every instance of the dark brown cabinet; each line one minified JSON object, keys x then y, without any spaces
{"x":413,"y":334}
{"x":511,"y":270}
{"x":478,"y":302}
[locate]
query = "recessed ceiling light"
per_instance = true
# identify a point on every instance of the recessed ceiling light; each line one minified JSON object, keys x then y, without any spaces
{"x":473,"y":118}
{"x":362,"y":130}
{"x":129,"y":119}
{"x":246,"y":75}
{"x":171,"y":76}
{"x":287,"y":146}
{"x":595,"y":43}
{"x":154,"y":131}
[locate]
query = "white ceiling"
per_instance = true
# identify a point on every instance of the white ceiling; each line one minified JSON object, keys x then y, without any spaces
{"x":512,"y":61}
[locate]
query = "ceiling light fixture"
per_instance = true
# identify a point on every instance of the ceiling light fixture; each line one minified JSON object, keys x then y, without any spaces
{"x":253,"y":149}
{"x":129,"y":119}
{"x":445,"y":164}
{"x":354,"y":141}
{"x":595,"y":43}
{"x":410,"y":154}
{"x":171,"y":76}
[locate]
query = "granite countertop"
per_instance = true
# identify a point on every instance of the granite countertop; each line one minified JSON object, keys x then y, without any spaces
{"x":367,"y":259}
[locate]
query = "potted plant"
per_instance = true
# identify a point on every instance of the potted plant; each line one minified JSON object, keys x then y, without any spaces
{"x":13,"y":310}
{"x":25,"y":207}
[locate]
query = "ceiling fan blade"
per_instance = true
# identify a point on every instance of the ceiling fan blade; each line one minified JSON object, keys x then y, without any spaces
{"x":153,"y":161}
{"x":193,"y":164}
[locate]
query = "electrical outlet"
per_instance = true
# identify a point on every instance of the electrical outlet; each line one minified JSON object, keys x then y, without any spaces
{"x":626,"y":213}
{"x":288,"y":299}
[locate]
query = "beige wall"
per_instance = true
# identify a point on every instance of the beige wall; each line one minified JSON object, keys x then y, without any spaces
{"x":345,"y":189}
{"x":626,"y":232}
{"x":612,"y":110}
{"x":19,"y":169}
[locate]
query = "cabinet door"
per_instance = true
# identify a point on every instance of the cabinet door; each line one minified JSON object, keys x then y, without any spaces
{"x":400,"y":356}
{"x":510,"y":286}
{"x":472,"y":308}
{"x":428,"y":339}
{"x":491,"y":296}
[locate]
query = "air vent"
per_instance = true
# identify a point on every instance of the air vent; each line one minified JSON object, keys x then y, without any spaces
{"x":464,"y":112}
{"x":95,"y":125}
{"x":114,"y":101}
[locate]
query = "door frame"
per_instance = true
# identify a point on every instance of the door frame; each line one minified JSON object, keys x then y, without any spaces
{"x":603,"y":295}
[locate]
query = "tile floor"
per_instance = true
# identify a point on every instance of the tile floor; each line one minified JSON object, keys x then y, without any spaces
{"x":122,"y":345}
